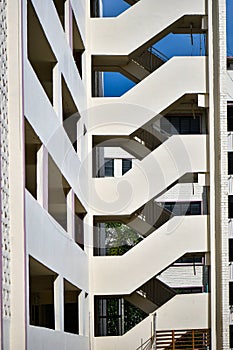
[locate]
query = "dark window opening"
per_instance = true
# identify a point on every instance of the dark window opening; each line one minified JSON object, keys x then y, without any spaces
{"x":40,"y":53}
{"x":97,"y":84}
{"x":71,"y":308}
{"x":126,"y":165}
{"x":71,"y":114}
{"x":60,"y":7}
{"x":230,"y":206}
{"x":181,"y":124}
{"x":190,"y":260}
{"x":231,"y":293}
{"x":95,"y":8}
{"x":115,"y":316}
{"x":108,"y":167}
{"x":41,"y":295}
{"x":80,"y":213}
{"x":231,"y":336}
{"x":188,"y":290}
{"x":58,"y":189}
{"x":78,"y":46}
{"x":183,"y":208}
{"x":32,"y":146}
{"x":230,"y":118}
{"x":114,"y":238}
{"x":231,"y":249}
{"x":230,"y":163}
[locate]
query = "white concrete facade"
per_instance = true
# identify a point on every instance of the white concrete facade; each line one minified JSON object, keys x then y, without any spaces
{"x":102,"y":256}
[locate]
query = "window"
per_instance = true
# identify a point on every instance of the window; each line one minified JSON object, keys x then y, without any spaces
{"x":190,"y":260}
{"x":41,"y":294}
{"x":32,"y":146}
{"x":231,"y":336}
{"x":230,"y":206}
{"x":231,"y":293}
{"x":114,"y":238}
{"x":230,"y":118}
{"x":58,"y":189}
{"x":78,"y":46}
{"x":70,"y":114}
{"x":109,"y":167}
{"x":230,"y":163}
{"x":115,"y":316}
{"x":188,"y":290}
{"x":126,"y":165}
{"x":181,"y":125}
{"x":71,"y":308}
{"x":183,"y":208}
{"x":40,"y":53}
{"x":80,"y":213}
{"x":230,"y":249}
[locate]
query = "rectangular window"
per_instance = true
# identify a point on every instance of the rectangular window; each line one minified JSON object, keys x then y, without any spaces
{"x":183,"y":208}
{"x":115,"y":316}
{"x":181,"y":125}
{"x":109,"y":167}
{"x":231,"y":336}
{"x":71,"y":308}
{"x":191,"y":260}
{"x":230,"y":118}
{"x":230,"y":249}
{"x":188,"y":290}
{"x":126,"y":165}
{"x":230,"y":163}
{"x":230,"y":206}
{"x":231,"y":293}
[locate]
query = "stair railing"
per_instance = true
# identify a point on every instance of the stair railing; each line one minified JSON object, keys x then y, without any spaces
{"x":150,"y":344}
{"x":147,"y":345}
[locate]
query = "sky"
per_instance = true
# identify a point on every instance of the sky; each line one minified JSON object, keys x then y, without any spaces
{"x":116,"y":84}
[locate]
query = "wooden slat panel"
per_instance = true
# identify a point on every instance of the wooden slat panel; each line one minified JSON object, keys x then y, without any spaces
{"x":184,"y":339}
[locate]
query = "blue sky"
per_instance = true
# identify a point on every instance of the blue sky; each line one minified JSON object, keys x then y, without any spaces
{"x":116,"y":84}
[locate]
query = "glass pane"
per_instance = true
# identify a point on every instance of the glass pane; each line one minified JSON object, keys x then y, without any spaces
{"x":126,"y":165}
{"x":109,"y":167}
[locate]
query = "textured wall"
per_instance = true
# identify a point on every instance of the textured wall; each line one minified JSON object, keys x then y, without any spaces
{"x":4,"y":160}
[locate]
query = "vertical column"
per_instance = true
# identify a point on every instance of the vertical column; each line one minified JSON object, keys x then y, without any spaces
{"x":15,"y":28}
{"x":57,"y":92}
{"x":88,"y":242}
{"x":68,"y":23}
{"x":118,"y":167}
{"x":70,"y":213}
{"x":82,"y":312}
{"x":59,"y":303}
{"x":42,"y":177}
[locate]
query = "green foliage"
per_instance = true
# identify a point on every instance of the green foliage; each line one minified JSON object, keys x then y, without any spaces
{"x":119,"y":316}
{"x":119,"y":238}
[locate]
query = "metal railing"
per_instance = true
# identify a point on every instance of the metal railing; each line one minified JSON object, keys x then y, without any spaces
{"x":158,"y":53}
{"x":187,"y":339}
{"x":151,"y":59}
{"x":147,"y":345}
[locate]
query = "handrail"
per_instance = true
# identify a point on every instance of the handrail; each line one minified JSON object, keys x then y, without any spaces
{"x":158,"y":53}
{"x":148,"y":342}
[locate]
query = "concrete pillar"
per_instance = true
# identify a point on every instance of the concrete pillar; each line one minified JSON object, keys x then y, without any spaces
{"x":118,"y":167}
{"x":82,"y":313}
{"x":57,"y":93}
{"x":42,"y":177}
{"x":70,"y":213}
{"x":59,"y":303}
{"x":68,"y":23}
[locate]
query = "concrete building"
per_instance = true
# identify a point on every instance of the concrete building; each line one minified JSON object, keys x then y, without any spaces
{"x":116,"y":220}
